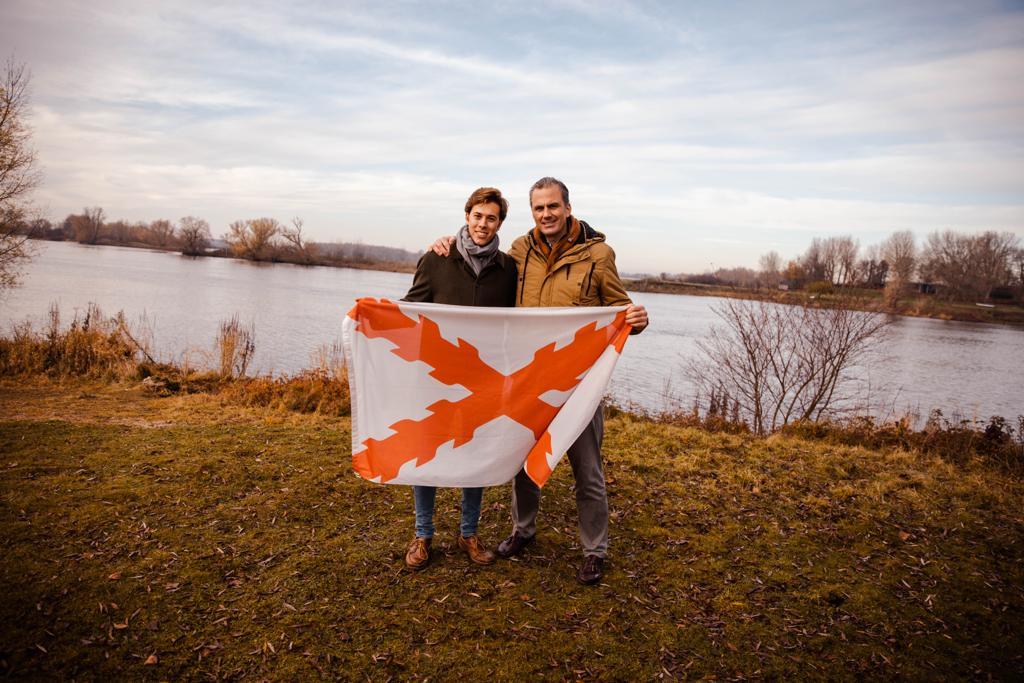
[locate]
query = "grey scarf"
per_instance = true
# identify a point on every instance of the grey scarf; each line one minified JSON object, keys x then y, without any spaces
{"x":476,"y":256}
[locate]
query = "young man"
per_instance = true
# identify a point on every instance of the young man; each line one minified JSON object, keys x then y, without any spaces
{"x":475,"y":273}
{"x":565,"y":262}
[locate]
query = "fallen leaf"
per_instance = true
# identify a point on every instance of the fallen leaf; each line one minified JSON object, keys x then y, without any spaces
{"x":151,"y":660}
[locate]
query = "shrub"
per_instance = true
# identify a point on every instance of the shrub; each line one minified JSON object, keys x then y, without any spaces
{"x":995,"y":440}
{"x":820,"y":287}
{"x":92,"y":345}
{"x":312,"y":391}
{"x":236,"y":346}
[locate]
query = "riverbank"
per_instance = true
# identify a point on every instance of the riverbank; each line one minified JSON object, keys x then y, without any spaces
{"x":358,"y":264}
{"x":149,"y":536}
{"x":916,"y":306}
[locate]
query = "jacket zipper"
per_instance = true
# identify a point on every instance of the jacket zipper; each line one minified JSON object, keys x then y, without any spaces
{"x":590,"y":277}
{"x":526,"y":264}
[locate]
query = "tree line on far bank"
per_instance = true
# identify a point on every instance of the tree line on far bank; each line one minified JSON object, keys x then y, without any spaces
{"x":255,"y":239}
{"x":954,"y":266}
{"x":950,"y":265}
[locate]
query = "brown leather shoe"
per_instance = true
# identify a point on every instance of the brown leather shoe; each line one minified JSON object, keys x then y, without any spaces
{"x":513,"y":545}
{"x":418,"y":555}
{"x":474,"y":549}
{"x":591,"y":571}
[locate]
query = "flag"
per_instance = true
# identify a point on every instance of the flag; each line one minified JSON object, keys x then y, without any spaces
{"x":467,"y":396}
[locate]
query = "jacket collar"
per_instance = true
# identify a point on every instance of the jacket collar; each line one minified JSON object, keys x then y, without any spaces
{"x":587,"y":236}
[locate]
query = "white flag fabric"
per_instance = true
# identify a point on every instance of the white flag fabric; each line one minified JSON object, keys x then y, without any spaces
{"x":467,"y":396}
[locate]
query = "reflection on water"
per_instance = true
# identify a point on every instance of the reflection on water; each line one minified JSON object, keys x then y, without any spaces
{"x":966,"y":369}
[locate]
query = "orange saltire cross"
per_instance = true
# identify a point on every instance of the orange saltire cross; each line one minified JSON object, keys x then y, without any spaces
{"x":492,"y":393}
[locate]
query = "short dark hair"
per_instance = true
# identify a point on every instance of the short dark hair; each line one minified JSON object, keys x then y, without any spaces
{"x":488,"y":195}
{"x":548,"y":181}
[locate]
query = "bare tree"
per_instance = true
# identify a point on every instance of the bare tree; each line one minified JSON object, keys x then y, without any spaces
{"x":969,"y":265}
{"x":900,"y":252}
{"x":162,"y":232}
{"x":120,"y":232}
{"x":194,"y":234}
{"x":254,"y":238}
{"x":832,"y":259}
{"x":18,"y":172}
{"x":829,"y":259}
{"x":304,"y":252}
{"x":795,"y":272}
{"x":87,"y":227}
{"x":737,"y":277}
{"x":770,"y":264}
{"x":813,"y":260}
{"x":992,"y":259}
{"x":783,"y":363}
{"x":846,"y":249}
{"x":872,"y":269}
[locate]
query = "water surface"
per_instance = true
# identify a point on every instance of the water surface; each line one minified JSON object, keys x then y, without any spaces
{"x":972,"y":370}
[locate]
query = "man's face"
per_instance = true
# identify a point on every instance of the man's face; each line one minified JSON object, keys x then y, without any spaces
{"x":483,"y":221}
{"x":550,"y":211}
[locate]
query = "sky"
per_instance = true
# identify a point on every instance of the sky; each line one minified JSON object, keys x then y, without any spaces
{"x":695,"y":135}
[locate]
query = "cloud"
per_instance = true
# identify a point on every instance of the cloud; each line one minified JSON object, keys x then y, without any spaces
{"x":673,"y":125}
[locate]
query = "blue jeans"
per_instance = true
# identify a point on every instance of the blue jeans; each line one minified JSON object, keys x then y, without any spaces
{"x":424,"y":499}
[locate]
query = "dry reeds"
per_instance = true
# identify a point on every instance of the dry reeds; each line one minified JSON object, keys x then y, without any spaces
{"x":996,"y":440}
{"x":235,"y":346}
{"x":323,"y":390}
{"x":92,"y":345}
{"x":97,"y":346}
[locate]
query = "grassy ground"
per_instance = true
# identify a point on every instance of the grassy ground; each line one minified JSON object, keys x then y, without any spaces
{"x":164,"y":538}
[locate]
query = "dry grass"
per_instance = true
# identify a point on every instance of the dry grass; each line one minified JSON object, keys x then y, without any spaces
{"x":313,"y":391}
{"x":95,"y":346}
{"x":173,"y":524}
{"x":92,"y":345}
{"x":217,"y":541}
{"x":236,"y":347}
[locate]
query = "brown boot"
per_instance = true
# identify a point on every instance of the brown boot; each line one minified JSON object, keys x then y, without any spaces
{"x":418,"y":555}
{"x":474,"y":549}
{"x":591,"y":571}
{"x":514,"y":544}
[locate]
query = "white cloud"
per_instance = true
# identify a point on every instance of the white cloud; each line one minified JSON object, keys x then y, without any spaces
{"x":377,"y":119}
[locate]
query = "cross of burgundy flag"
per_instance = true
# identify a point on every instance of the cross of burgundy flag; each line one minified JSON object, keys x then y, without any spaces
{"x":467,"y":396}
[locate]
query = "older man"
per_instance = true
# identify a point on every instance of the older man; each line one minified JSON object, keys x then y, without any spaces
{"x":565,"y":262}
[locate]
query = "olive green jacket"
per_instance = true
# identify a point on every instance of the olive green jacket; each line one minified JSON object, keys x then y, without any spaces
{"x":584,"y":275}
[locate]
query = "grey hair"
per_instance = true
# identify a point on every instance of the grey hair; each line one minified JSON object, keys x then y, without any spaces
{"x":548,"y":181}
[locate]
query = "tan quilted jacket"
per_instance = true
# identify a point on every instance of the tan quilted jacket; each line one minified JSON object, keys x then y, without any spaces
{"x":584,"y":275}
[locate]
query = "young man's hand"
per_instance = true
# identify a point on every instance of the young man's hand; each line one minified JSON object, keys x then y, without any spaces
{"x":637,"y":317}
{"x":442,"y":245}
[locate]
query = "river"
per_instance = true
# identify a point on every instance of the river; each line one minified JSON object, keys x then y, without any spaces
{"x":967,"y":370}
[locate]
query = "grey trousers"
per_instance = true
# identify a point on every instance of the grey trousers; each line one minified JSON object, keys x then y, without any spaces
{"x":591,"y":498}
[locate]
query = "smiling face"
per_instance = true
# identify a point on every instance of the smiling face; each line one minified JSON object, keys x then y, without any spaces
{"x":483,"y":221}
{"x":550,"y":211}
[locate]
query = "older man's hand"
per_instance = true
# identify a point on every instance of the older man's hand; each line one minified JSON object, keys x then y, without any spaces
{"x":442,"y":245}
{"x":637,"y":317}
